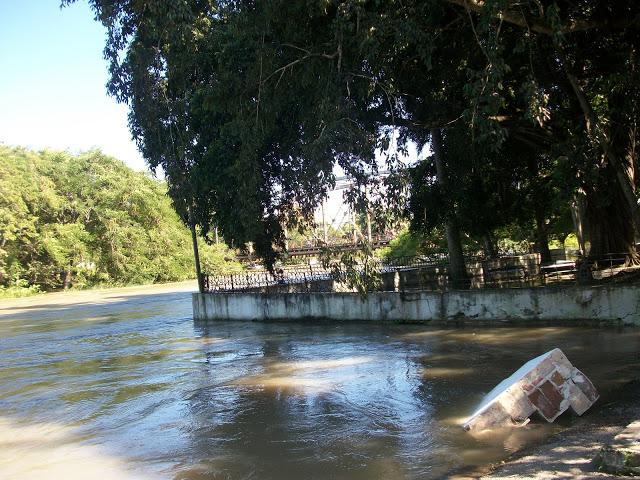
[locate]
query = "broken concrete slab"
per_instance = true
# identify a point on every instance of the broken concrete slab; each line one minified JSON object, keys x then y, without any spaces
{"x":548,"y":384}
{"x":622,"y":456}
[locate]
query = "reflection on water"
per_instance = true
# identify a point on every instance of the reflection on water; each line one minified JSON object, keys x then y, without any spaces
{"x":318,"y":375}
{"x":131,"y":388}
{"x":49,"y":450}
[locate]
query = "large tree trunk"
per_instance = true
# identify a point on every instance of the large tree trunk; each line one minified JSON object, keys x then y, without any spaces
{"x":542,"y":237}
{"x":66,"y":280}
{"x":489,"y":245}
{"x":622,"y":169}
{"x":609,"y":225}
{"x":577,"y":208}
{"x":457,"y":270}
{"x":613,"y":212}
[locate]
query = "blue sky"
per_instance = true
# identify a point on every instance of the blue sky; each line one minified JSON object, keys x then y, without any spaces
{"x":52,"y":85}
{"x":52,"y":81}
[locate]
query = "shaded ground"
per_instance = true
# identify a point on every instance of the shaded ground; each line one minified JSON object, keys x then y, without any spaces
{"x":569,"y":454}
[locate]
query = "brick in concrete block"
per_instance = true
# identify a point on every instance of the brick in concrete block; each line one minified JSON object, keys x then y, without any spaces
{"x":543,"y":405}
{"x":552,"y":394}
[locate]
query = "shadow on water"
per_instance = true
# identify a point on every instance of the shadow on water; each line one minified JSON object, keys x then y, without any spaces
{"x":138,"y":383}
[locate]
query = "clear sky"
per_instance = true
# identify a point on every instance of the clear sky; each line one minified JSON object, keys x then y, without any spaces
{"x":52,"y":81}
{"x":52,"y":85}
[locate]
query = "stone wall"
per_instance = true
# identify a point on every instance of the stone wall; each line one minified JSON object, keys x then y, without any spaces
{"x":619,"y":304}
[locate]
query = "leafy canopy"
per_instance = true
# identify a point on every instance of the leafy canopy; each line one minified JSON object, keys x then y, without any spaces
{"x":249,"y":105}
{"x":88,"y":220}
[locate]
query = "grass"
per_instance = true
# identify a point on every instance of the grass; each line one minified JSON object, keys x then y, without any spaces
{"x":18,"y":292}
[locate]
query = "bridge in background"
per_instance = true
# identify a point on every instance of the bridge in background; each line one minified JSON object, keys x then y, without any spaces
{"x":318,"y":247}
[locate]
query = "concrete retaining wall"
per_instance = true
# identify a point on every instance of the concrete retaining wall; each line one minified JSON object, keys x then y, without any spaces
{"x":607,"y":304}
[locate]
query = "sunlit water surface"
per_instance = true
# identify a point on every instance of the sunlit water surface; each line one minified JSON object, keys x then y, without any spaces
{"x":132,"y":388}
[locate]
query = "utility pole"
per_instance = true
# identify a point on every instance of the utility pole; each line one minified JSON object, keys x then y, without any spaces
{"x":366,"y":196}
{"x":353,"y":224}
{"x":324,"y":223}
{"x":196,"y":254}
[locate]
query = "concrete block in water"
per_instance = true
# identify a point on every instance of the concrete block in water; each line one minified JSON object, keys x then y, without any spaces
{"x":548,"y":384}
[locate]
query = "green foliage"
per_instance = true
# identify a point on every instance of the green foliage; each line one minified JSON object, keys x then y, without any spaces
{"x":18,"y":291}
{"x":406,"y":244}
{"x":411,"y":243}
{"x":248,"y":106}
{"x":358,"y":270}
{"x":219,"y":260}
{"x":87,"y":220}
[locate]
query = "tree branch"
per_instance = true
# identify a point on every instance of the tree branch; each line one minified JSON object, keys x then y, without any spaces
{"x":309,"y":55}
{"x":440,"y":123}
{"x":536,"y":25}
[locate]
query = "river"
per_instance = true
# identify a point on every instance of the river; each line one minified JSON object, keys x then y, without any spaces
{"x":122,"y":384}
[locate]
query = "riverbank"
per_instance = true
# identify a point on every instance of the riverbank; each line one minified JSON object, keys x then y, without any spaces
{"x":570,"y":453}
{"x":92,"y":296}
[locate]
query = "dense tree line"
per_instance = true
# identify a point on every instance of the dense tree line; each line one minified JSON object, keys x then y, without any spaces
{"x":89,"y":219}
{"x":530,"y":109}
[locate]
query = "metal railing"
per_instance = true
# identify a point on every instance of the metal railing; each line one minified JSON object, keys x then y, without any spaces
{"x":316,"y":280}
{"x":430,"y":272}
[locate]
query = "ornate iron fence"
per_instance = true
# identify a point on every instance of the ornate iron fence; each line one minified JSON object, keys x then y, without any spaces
{"x":430,"y":272}
{"x":289,"y":281}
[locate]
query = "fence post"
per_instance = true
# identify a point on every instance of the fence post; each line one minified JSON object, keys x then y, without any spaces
{"x":610,"y":266}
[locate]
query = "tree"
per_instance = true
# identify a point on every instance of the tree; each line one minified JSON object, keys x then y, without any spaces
{"x":267,"y":96}
{"x":582,"y":57}
{"x":80,"y":221}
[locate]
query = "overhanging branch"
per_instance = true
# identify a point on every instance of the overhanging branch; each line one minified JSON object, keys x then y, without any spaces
{"x":518,"y":18}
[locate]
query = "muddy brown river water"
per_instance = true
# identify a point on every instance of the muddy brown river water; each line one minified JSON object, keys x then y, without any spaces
{"x":122,"y":384}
